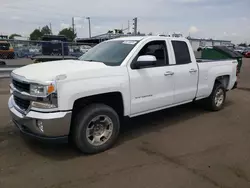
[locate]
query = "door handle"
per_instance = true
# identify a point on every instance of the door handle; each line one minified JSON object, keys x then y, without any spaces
{"x":193,"y":71}
{"x":168,"y":73}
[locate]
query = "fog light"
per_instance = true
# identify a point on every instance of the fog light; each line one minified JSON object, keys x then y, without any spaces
{"x":42,"y":105}
{"x":39,"y":124}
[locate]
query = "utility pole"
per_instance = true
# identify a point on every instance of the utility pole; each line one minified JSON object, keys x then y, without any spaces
{"x":50,"y":27}
{"x":128,"y":26}
{"x":135,"y":25}
{"x":73,"y":24}
{"x":88,"y":18}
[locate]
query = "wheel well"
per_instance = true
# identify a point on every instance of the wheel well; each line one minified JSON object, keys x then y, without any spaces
{"x":224,"y":80}
{"x":112,"y":99}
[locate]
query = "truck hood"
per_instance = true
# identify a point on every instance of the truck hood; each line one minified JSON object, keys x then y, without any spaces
{"x":48,"y":71}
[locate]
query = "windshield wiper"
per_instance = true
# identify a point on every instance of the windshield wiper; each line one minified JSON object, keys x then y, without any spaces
{"x":90,"y":60}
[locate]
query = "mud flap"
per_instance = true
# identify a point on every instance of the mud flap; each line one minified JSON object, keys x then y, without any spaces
{"x":235,"y":85}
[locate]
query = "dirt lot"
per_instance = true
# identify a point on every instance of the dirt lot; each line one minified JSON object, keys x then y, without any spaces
{"x":180,"y":147}
{"x":17,"y":62}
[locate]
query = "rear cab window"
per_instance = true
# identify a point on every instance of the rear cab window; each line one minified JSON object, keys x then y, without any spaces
{"x":181,"y":51}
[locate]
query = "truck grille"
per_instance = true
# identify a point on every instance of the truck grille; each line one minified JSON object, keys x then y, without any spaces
{"x":22,"y":103}
{"x":20,"y":86}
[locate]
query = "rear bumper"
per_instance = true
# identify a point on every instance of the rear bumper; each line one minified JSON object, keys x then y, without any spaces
{"x":54,"y":127}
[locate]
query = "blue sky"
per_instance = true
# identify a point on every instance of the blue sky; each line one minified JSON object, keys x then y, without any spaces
{"x":220,"y":19}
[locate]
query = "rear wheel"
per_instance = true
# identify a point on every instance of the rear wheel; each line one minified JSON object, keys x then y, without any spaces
{"x":216,"y":100}
{"x":96,"y":128}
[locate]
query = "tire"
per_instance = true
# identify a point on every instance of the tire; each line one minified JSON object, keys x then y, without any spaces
{"x":85,"y":123}
{"x":212,"y":102}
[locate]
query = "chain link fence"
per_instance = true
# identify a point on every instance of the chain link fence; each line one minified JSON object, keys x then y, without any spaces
{"x":11,"y":50}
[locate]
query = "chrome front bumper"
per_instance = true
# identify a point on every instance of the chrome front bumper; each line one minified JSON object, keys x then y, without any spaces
{"x":56,"y":125}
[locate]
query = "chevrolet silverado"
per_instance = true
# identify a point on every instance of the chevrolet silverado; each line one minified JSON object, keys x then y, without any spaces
{"x":85,"y":100}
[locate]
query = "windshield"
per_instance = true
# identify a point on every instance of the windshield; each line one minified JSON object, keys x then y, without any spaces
{"x":4,"y":46}
{"x":111,"y":53}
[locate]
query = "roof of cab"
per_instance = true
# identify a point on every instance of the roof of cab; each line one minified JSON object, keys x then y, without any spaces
{"x":138,"y":38}
{"x":130,"y":38}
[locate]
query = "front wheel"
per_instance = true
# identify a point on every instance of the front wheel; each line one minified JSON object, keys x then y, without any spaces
{"x":96,"y":128}
{"x":216,"y":100}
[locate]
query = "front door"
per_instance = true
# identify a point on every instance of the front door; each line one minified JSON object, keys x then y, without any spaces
{"x":152,"y":87}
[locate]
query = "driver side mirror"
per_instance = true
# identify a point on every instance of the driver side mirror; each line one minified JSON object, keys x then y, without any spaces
{"x":145,"y":61}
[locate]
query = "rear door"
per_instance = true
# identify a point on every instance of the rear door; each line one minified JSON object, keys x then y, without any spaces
{"x":185,"y":72}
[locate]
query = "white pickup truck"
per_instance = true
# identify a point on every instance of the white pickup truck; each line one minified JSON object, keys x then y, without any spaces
{"x":85,"y":100}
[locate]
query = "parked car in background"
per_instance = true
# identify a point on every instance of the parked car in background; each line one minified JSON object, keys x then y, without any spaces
{"x":75,"y":51}
{"x":246,"y":50}
{"x":54,"y":45}
{"x":85,"y":48}
{"x":35,"y":49}
{"x":6,"y":50}
{"x":85,"y":100}
{"x":247,"y":54}
{"x":26,"y":51}
{"x":239,"y":49}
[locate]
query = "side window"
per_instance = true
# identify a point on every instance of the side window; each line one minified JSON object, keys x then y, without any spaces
{"x":157,"y":49}
{"x":181,"y":52}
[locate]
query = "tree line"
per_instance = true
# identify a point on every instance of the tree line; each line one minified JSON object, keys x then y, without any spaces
{"x":37,"y":34}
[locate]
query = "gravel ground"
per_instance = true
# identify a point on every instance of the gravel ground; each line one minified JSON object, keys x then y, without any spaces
{"x":180,"y":147}
{"x":17,"y":62}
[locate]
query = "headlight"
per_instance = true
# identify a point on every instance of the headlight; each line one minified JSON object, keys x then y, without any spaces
{"x":46,"y":92}
{"x":41,"y":90}
{"x":37,"y":90}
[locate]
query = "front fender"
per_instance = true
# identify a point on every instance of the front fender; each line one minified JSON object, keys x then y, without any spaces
{"x":71,"y":91}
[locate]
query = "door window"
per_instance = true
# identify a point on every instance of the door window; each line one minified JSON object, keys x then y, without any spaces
{"x":157,"y":49}
{"x":181,"y":51}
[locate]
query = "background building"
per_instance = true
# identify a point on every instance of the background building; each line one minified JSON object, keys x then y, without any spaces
{"x":99,"y":38}
{"x":197,"y":42}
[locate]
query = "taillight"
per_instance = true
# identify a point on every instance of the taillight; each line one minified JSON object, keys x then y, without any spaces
{"x":237,"y":70}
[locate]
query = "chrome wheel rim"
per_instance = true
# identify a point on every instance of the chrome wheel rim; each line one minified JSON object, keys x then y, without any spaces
{"x":99,"y":130}
{"x":219,"y":98}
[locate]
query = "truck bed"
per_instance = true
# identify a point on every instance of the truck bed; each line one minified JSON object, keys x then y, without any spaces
{"x":208,"y":72}
{"x":198,"y":60}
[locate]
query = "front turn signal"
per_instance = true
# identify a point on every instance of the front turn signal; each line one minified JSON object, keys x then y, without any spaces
{"x":51,"y":88}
